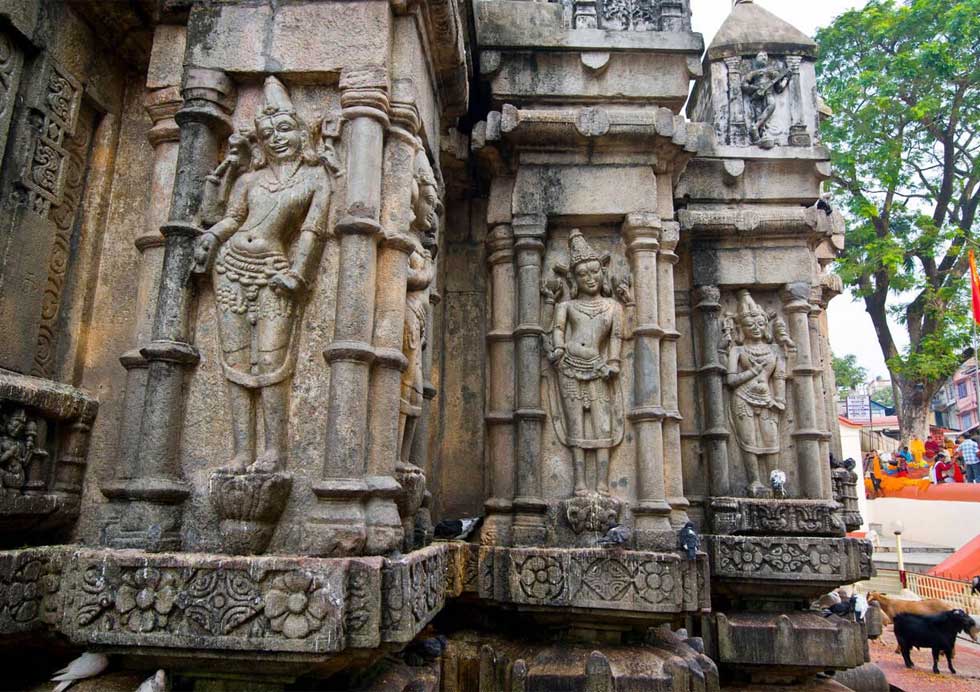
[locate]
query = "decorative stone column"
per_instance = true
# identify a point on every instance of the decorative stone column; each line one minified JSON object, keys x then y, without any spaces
{"x":712,"y":373}
{"x":529,"y":508}
{"x":162,"y":106}
{"x":153,"y":495}
{"x":673,"y":470}
{"x":356,"y":512}
{"x":738,"y":134}
{"x":384,"y":455}
{"x":824,"y":415}
{"x":500,"y":417}
{"x":641,"y":231}
{"x":796,"y":301}
{"x":798,"y":134}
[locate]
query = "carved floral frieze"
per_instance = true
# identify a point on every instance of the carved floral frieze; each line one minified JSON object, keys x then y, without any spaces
{"x":838,"y":560}
{"x":593,"y":578}
{"x":767,"y":517}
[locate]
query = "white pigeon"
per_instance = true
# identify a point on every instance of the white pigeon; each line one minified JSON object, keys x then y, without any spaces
{"x":777,"y":480}
{"x":860,"y":607}
{"x":88,"y":665}
{"x":154,"y":683}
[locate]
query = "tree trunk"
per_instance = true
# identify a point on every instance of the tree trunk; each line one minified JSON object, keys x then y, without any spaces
{"x":913,"y":407}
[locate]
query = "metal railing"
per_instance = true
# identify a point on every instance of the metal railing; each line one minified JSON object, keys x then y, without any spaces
{"x":956,"y":593}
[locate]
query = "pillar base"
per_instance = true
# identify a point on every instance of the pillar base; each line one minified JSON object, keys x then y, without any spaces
{"x":530,"y":523}
{"x":144,"y":514}
{"x":652,"y":529}
{"x":354,"y":517}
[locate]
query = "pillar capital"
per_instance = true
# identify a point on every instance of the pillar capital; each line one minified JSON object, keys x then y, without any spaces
{"x":364,"y":93}
{"x":641,"y":230}
{"x":404,"y":113}
{"x":707,"y":298}
{"x":162,"y":106}
{"x":796,"y":297}
{"x":209,"y":98}
{"x":500,"y":244}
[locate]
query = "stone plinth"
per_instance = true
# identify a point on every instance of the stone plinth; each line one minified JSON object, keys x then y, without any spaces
{"x":295,"y":611}
{"x":786,"y":567}
{"x":773,"y":647}
{"x":606,"y":584}
{"x":762,"y":517}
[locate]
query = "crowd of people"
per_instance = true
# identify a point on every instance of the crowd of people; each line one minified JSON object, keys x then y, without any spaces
{"x":923,"y":463}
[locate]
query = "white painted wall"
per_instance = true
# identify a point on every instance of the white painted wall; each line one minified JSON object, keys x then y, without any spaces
{"x":939,"y":522}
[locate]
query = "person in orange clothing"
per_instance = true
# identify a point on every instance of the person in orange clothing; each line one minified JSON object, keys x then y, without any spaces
{"x":918,"y":449}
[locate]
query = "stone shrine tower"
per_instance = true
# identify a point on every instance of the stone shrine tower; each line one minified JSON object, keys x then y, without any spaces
{"x":290,"y":283}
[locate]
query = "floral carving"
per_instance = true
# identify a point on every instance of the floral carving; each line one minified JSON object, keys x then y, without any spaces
{"x":767,"y":517}
{"x":761,"y":557}
{"x":27,"y":593}
{"x":630,"y":15}
{"x":541,"y":577}
{"x":655,"y":583}
{"x":145,"y":599}
{"x":296,"y":604}
{"x":219,"y":601}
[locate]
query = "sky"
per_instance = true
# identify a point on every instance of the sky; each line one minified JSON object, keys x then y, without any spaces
{"x":851,"y":330}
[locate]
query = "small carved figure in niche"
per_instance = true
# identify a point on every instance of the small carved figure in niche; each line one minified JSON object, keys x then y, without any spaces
{"x":761,"y":84}
{"x":264,"y":252}
{"x":17,"y":446}
{"x":757,"y":378}
{"x":587,"y":340}
{"x":426,"y":207}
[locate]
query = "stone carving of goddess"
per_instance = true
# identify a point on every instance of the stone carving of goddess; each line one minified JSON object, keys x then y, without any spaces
{"x":421,"y":271}
{"x":757,"y":379}
{"x":761,"y":84}
{"x":17,"y":443}
{"x":587,"y":340}
{"x":264,"y":253}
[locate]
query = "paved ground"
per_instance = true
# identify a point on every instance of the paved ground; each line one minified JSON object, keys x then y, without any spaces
{"x":921,"y":678}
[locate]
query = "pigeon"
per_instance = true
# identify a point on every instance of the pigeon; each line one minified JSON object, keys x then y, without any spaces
{"x":975,"y":585}
{"x":88,"y":665}
{"x":154,"y":683}
{"x":457,"y":529}
{"x":823,"y":204}
{"x":777,"y":479}
{"x":689,"y":541}
{"x":842,"y":609}
{"x":860,"y":607}
{"x":616,"y":536}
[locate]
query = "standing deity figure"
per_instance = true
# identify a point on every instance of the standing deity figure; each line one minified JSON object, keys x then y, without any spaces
{"x":426,"y":208}
{"x":265,"y":252}
{"x":587,"y":340}
{"x":17,"y":443}
{"x":761,"y":84}
{"x":757,"y":379}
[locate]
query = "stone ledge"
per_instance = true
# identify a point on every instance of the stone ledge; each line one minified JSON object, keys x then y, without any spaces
{"x":260,"y":605}
{"x":768,"y":517}
{"x":644,"y":584}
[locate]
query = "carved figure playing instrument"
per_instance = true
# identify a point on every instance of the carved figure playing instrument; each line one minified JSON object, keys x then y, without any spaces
{"x":761,"y":85}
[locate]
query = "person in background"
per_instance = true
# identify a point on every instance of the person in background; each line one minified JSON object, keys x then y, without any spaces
{"x":968,"y":451}
{"x":944,"y":470}
{"x":918,"y":449}
{"x":932,"y":448}
{"x":905,"y":455}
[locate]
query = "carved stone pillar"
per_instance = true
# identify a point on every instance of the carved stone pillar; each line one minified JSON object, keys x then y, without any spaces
{"x":162,"y":106}
{"x":152,"y":497}
{"x":529,"y":509}
{"x":798,"y":134}
{"x":807,"y":436}
{"x":642,"y":234}
{"x":396,"y":245}
{"x":711,"y":373}
{"x":738,"y":133}
{"x":673,"y":471}
{"x":356,"y":512}
{"x":825,"y":417}
{"x":500,"y":417}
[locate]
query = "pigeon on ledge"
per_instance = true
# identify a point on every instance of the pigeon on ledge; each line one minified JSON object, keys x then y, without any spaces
{"x":88,"y":665}
{"x":689,"y":541}
{"x":155,"y":683}
{"x":615,"y":537}
{"x":777,"y":479}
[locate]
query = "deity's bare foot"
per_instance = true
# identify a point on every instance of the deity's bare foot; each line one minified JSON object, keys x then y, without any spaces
{"x":757,"y":489}
{"x":581,"y":491}
{"x":603,"y":489}
{"x":268,"y":462}
{"x":239,"y":463}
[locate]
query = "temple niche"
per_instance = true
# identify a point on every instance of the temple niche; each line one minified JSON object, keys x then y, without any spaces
{"x":390,"y":345}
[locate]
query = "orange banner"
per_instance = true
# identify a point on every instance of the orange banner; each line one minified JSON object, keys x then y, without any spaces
{"x":975,"y":287}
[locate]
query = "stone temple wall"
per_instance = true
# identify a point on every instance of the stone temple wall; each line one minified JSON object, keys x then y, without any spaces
{"x":287,"y":284}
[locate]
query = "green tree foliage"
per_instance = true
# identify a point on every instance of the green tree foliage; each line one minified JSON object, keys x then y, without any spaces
{"x":903,"y":81}
{"x":848,"y":374}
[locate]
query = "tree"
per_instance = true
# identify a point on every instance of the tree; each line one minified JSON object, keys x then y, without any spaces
{"x":902,"y":80}
{"x":847,"y":373}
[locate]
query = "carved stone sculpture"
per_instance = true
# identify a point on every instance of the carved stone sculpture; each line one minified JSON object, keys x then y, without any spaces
{"x":284,"y":194}
{"x":761,"y":84}
{"x":17,"y":448}
{"x":756,"y":376}
{"x":584,"y":345}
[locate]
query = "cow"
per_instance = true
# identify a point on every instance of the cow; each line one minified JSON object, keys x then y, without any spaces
{"x":936,"y":632}
{"x":893,"y":606}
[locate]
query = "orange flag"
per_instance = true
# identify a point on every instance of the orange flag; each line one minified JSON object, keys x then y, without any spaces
{"x":975,"y":287}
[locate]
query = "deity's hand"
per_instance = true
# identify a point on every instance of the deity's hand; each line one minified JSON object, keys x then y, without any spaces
{"x":624,"y":290}
{"x":557,"y":356}
{"x":205,"y":248}
{"x":287,"y":282}
{"x":777,"y":405}
{"x":609,"y":371}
